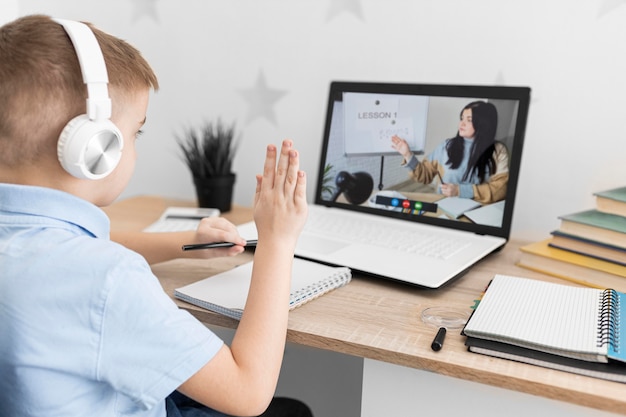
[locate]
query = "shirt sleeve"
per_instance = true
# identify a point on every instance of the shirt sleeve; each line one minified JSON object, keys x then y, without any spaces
{"x":411,"y":163}
{"x":148,"y":346}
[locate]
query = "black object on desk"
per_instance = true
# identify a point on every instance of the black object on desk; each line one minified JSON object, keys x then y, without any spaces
{"x":437,"y":343}
{"x":444,"y":318}
{"x":197,"y":246}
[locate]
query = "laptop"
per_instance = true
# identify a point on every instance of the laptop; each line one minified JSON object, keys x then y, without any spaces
{"x":371,"y":215}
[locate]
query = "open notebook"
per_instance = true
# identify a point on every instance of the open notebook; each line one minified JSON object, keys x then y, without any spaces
{"x":369,"y":216}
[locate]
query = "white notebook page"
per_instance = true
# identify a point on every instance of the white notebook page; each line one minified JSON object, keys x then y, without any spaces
{"x":550,"y":317}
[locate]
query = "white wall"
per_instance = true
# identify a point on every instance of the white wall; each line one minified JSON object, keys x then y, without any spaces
{"x":208,"y":53}
{"x":8,"y":11}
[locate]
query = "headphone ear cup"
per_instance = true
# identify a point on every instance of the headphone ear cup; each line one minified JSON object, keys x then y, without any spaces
{"x":90,"y":149}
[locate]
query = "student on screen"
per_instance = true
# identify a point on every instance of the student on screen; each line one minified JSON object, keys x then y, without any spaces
{"x":471,"y":164}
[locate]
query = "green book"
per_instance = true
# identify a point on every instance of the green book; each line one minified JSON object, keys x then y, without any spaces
{"x":596,"y":225}
{"x":617,"y":194}
{"x":599,"y":219}
{"x":612,"y":201}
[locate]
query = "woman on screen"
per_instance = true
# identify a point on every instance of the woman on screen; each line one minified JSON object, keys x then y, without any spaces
{"x":470,"y":165}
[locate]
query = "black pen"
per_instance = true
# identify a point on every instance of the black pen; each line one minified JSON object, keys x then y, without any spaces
{"x":439,"y":338}
{"x":196,"y":246}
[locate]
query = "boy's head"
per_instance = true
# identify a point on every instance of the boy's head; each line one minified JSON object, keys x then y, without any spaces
{"x":42,"y":88}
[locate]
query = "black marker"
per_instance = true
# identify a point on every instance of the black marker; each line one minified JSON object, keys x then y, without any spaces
{"x":196,"y":246}
{"x":438,"y":341}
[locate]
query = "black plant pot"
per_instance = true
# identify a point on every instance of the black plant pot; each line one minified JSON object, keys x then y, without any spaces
{"x":215,"y":192}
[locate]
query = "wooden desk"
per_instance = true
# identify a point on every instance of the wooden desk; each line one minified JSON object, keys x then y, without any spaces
{"x":137,"y":213}
{"x":381,"y":320}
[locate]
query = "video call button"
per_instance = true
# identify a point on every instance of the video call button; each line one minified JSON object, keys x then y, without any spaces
{"x":405,"y":204}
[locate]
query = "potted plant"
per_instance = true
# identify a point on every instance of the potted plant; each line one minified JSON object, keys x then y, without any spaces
{"x":209,"y":152}
{"x":327,"y":187}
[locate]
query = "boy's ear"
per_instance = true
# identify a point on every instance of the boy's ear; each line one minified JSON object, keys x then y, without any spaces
{"x":90,"y":145}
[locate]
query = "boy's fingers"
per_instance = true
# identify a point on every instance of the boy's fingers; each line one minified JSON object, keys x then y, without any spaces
{"x":300,"y":191}
{"x":292,"y":171}
{"x":284,"y":160}
{"x":282,"y":173}
{"x":269,"y":168}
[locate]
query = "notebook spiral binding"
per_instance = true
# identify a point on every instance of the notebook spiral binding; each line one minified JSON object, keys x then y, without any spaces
{"x":609,"y":323}
{"x":339,"y":279}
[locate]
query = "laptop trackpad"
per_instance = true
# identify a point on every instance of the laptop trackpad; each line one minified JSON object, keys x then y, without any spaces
{"x":319,"y":244}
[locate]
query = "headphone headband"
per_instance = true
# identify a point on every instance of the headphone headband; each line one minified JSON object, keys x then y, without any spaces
{"x":90,"y":145}
{"x":92,"y":66}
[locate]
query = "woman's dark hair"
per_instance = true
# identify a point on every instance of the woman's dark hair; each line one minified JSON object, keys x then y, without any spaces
{"x":485,"y":121}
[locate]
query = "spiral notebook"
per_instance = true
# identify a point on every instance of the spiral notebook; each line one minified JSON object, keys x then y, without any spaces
{"x":573,"y":322}
{"x":226,"y":293}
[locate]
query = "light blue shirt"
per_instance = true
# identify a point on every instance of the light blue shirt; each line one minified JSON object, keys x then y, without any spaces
{"x":85,"y":327}
{"x":452,"y":176}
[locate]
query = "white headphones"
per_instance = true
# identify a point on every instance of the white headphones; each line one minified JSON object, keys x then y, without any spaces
{"x":90,"y":145}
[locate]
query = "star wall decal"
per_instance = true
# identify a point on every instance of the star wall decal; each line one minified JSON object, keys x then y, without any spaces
{"x":349,"y":6}
{"x":609,"y":6}
{"x":261,"y":100}
{"x":143,"y":8}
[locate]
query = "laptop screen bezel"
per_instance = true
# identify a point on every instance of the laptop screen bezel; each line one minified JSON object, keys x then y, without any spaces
{"x":518,"y":93}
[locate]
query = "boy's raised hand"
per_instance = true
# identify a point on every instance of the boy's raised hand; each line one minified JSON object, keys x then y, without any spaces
{"x":280,"y":207}
{"x":241,"y":379}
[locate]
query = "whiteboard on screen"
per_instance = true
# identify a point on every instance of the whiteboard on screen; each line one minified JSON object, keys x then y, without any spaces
{"x":370,"y":120}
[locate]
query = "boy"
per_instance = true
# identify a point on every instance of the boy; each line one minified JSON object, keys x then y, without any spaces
{"x":85,"y":328}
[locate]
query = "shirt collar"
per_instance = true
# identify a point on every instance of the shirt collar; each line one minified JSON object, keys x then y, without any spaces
{"x":54,"y":204}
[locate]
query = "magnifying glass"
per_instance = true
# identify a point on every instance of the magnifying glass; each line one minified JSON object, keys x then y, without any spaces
{"x":444,"y":318}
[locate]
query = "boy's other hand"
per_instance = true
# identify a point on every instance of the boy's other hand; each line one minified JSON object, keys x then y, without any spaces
{"x":217,"y":229}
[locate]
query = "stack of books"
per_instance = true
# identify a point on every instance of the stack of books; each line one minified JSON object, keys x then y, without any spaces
{"x":589,"y":246}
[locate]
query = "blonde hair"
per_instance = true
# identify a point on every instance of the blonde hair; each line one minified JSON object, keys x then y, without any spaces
{"x":41,"y":85}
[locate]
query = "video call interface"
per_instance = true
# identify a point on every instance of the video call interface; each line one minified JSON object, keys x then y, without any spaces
{"x":362,"y":167}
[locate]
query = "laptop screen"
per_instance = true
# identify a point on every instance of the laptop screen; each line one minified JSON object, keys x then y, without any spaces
{"x":447,"y":155}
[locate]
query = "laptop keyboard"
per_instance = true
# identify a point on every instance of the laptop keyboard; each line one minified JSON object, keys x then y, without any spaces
{"x":397,"y":238}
